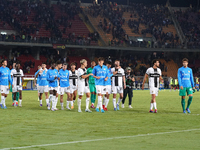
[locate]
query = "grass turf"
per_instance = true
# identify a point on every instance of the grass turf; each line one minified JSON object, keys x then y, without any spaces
{"x":34,"y":125}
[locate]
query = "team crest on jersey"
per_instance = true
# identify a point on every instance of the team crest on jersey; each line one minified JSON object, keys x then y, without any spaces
{"x":188,"y":71}
{"x":98,"y":90}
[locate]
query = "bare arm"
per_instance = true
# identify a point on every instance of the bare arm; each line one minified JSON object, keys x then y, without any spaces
{"x":35,"y":81}
{"x":145,"y":78}
{"x":38,"y":73}
{"x":133,"y":79}
{"x":124,"y":81}
{"x":161,"y":79}
{"x":86,"y":76}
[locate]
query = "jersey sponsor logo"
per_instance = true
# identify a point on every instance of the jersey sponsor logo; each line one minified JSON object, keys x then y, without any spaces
{"x":154,"y":75}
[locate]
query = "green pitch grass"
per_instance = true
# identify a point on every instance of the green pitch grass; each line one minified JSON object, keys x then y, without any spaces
{"x":34,"y":125}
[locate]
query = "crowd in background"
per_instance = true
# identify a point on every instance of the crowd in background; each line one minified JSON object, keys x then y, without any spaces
{"x":189,"y":21}
{"x":112,"y":19}
{"x":154,"y":17}
{"x":16,"y":14}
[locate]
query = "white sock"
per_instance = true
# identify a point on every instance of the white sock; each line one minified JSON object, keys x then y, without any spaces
{"x":119,"y":101}
{"x":72,"y":103}
{"x":15,"y":102}
{"x":100,"y":102}
{"x":50,"y":98}
{"x":2,"y":99}
{"x":20,"y":102}
{"x":79,"y":104}
{"x":67,"y":104}
{"x":61,"y":104}
{"x":47,"y":101}
{"x":40,"y":101}
{"x":53,"y":102}
{"x":56,"y":101}
{"x":154,"y":105}
{"x":87,"y":103}
{"x":107,"y":101}
{"x":151,"y":106}
{"x":114,"y":102}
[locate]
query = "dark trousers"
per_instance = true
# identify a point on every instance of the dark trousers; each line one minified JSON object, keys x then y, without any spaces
{"x":128,"y":91}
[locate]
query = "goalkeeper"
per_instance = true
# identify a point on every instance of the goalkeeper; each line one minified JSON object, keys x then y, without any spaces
{"x":92,"y":84}
{"x":186,"y":83}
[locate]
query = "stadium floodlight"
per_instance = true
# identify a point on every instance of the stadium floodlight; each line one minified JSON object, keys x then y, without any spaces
{"x":140,"y":40}
{"x":3,"y":33}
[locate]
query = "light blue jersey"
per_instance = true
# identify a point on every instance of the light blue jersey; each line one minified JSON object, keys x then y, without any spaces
{"x":185,"y":77}
{"x":100,"y":72}
{"x":51,"y":74}
{"x":5,"y":76}
{"x":43,"y":78}
{"x":64,"y":78}
{"x":38,"y":80}
{"x":108,"y":82}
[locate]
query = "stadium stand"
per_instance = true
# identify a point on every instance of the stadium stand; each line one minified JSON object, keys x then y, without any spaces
{"x":189,"y":22}
{"x":37,"y":22}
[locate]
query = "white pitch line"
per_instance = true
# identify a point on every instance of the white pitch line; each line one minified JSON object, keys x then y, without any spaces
{"x":94,"y":140}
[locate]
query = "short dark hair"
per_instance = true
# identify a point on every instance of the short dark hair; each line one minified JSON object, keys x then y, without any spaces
{"x":100,"y":59}
{"x":3,"y":61}
{"x":117,"y":60}
{"x":73,"y":63}
{"x":109,"y":62}
{"x":185,"y":59}
{"x":65,"y":64}
{"x":17,"y":62}
{"x":58,"y":62}
{"x":44,"y":63}
{"x":154,"y":61}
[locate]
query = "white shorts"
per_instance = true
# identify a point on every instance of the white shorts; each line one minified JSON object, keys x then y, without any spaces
{"x":154,"y":90}
{"x":43,"y":89}
{"x":37,"y":87}
{"x":64,"y":90}
{"x":53,"y":88}
{"x":5,"y":89}
{"x":108,"y":89}
{"x":73,"y":88}
{"x":101,"y":89}
{"x":17,"y":88}
{"x":117,"y":89}
{"x":83,"y":89}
